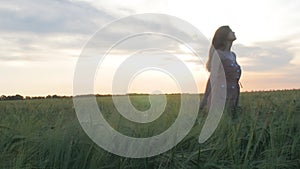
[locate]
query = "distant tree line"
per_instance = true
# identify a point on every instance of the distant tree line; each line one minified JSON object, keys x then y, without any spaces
{"x":19,"y":97}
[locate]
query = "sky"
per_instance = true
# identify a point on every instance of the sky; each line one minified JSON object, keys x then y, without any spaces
{"x":42,"y":40}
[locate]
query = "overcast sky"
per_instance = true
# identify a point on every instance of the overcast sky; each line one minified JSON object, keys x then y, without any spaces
{"x":41,"y":41}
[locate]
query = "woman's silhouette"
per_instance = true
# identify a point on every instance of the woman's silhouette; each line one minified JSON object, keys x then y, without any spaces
{"x":221,"y":47}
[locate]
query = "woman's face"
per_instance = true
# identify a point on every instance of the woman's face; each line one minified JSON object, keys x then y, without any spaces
{"x":231,"y":36}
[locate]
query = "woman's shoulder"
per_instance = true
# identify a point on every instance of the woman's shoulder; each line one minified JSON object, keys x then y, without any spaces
{"x":226,"y":54}
{"x":233,"y":53}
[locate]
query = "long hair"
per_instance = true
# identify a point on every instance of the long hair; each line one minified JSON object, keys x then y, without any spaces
{"x":218,"y":42}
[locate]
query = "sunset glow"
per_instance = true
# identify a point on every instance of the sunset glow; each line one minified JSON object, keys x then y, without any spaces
{"x":42,"y":40}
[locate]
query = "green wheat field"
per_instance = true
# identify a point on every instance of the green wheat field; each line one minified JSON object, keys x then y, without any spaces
{"x":46,"y":134}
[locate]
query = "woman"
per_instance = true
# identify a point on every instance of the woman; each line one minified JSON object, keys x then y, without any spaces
{"x":221,"y":47}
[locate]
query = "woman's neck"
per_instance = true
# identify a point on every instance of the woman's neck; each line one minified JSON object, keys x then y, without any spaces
{"x":228,"y":46}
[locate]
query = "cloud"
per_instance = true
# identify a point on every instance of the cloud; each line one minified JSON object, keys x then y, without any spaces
{"x":31,"y":47}
{"x":43,"y":30}
{"x":151,"y":31}
{"x":35,"y":30}
{"x":264,"y":56}
{"x":121,"y":8}
{"x":268,"y":56}
{"x":50,"y":16}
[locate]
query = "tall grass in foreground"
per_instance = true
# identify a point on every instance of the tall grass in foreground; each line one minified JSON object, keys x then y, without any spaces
{"x":47,"y":134}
